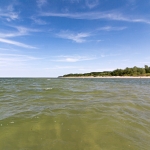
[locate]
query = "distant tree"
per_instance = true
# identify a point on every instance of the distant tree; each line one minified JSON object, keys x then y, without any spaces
{"x":147,"y":69}
{"x":135,"y":71}
{"x":128,"y":71}
{"x":117,"y":72}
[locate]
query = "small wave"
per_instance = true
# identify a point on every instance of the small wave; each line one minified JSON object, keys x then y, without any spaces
{"x":48,"y":88}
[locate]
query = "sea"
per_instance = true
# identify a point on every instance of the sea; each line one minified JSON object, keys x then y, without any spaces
{"x":74,"y":114}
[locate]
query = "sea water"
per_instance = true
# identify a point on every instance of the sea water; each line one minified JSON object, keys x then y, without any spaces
{"x":74,"y":114}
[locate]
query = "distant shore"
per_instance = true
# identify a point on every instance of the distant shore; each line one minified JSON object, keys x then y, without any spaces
{"x":134,"y":72}
{"x":145,"y":77}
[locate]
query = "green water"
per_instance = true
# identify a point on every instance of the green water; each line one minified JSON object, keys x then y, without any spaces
{"x":74,"y":114}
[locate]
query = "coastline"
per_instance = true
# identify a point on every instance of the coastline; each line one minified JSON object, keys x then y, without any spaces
{"x":111,"y":77}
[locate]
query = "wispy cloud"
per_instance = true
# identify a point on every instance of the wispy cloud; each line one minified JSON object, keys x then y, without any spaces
{"x":21,"y":31}
{"x":98,"y":41}
{"x":61,"y":67}
{"x":41,"y":3}
{"x":8,"y":13}
{"x":25,"y":30}
{"x":92,"y":3}
{"x":91,"y":69}
{"x":109,"y":55}
{"x":15,"y":59}
{"x":16,"y":43}
{"x":110,"y":28}
{"x":73,"y":58}
{"x":109,"y":15}
{"x":38,"y":21}
{"x":76,"y":37}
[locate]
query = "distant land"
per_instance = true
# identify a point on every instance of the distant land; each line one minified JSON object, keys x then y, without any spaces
{"x":127,"y":72}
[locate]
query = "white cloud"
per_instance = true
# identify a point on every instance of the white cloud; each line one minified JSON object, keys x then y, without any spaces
{"x":61,"y":67}
{"x":109,"y":15}
{"x":41,"y":3}
{"x":4,"y":35}
{"x":8,"y":13}
{"x":24,"y":30}
{"x":74,"y":1}
{"x":92,"y":3}
{"x":16,"y":43}
{"x":91,"y":69}
{"x":110,"y":28}
{"x":73,"y":58}
{"x":15,"y":59}
{"x":109,"y":55}
{"x":76,"y":37}
{"x":21,"y":31}
{"x":39,"y":21}
{"x":98,"y":41}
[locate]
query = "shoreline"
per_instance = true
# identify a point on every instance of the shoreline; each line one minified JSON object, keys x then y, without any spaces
{"x":111,"y":77}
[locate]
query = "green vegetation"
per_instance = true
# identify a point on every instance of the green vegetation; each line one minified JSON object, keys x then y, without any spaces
{"x":135,"y":71}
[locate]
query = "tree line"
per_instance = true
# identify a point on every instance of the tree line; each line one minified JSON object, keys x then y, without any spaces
{"x":135,"y":71}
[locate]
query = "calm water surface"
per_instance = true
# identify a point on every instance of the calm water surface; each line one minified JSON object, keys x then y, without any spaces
{"x":74,"y":114}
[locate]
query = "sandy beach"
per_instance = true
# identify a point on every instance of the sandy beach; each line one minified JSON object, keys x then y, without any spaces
{"x":145,"y":77}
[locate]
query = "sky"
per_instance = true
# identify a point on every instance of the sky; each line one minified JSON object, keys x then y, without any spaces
{"x":50,"y":38}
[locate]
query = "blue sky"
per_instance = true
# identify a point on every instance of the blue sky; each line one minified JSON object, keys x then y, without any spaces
{"x":50,"y":38}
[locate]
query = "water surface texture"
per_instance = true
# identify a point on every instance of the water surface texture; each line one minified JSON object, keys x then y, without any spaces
{"x":74,"y":114}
